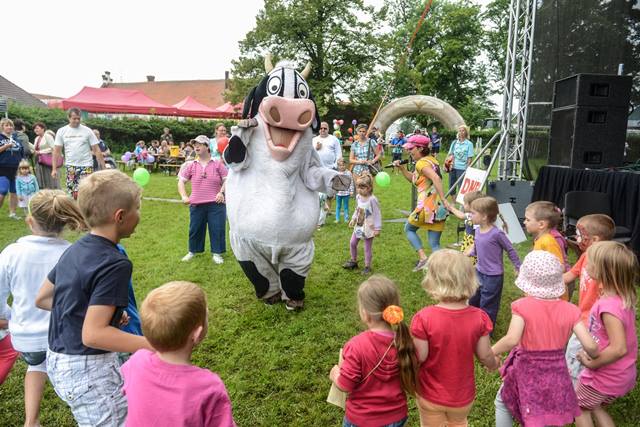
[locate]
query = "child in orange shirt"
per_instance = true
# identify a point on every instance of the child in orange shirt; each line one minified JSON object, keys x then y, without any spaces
{"x":541,"y":220}
{"x":590,"y":229}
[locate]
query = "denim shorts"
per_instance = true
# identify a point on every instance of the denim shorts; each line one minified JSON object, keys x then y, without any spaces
{"x":36,"y":361}
{"x":91,"y":386}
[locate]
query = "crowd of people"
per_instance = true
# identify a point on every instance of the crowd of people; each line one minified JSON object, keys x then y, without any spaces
{"x":110,"y":362}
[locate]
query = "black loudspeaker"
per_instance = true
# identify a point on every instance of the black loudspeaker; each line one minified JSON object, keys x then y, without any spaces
{"x":589,"y":121}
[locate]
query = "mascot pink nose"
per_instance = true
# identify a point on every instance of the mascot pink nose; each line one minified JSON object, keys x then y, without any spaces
{"x":288,"y":113}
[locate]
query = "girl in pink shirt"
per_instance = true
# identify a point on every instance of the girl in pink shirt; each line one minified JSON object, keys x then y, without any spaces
{"x":537,"y":389}
{"x":612,"y":322}
{"x":447,"y":336}
{"x":379,"y":365}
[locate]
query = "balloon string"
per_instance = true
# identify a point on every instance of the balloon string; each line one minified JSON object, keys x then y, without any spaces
{"x":403,"y":59}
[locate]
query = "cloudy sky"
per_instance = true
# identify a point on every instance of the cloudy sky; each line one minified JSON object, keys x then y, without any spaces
{"x":55,"y":47}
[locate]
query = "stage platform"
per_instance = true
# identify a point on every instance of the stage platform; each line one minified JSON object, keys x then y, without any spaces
{"x":623,"y":188}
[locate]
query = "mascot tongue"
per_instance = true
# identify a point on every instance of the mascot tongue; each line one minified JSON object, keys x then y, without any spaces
{"x":281,"y":137}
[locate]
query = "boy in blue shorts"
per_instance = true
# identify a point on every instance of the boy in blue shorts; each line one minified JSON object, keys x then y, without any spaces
{"x":87,"y":293}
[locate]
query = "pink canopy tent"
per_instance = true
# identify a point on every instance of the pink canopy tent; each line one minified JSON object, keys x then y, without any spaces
{"x":189,"y":107}
{"x":230,"y":111}
{"x":111,"y":100}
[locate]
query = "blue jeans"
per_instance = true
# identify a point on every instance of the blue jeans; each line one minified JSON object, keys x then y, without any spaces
{"x":414,"y":239}
{"x":214,"y":215}
{"x":453,"y":177}
{"x":488,"y":295}
{"x":401,"y":423}
{"x":342,"y":203}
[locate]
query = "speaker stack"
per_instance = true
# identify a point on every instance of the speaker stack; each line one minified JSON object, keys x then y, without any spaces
{"x":589,"y":121}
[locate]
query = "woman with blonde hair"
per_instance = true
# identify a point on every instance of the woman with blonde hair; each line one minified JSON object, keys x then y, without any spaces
{"x":459,"y":157}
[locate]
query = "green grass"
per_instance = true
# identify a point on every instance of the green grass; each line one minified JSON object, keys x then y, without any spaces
{"x":274,"y":363}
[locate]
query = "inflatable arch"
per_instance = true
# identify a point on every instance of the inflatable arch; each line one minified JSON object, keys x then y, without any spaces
{"x":418,"y":104}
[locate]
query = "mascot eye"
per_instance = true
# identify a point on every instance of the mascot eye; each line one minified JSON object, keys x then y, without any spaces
{"x":273,"y":85}
{"x":303,"y":90}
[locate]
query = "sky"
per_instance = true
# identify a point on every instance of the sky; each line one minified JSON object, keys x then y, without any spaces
{"x":59,"y":46}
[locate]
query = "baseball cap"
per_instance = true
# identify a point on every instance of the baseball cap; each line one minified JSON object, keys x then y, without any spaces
{"x":417,"y":141}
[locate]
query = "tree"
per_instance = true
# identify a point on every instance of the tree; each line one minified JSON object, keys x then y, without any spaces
{"x":338,"y":37}
{"x":445,"y":58}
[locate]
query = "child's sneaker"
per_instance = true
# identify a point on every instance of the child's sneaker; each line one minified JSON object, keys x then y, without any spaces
{"x":366,"y":271}
{"x":294,"y":305}
{"x":420,"y":265}
{"x":14,"y":216}
{"x":217,"y":258}
{"x":350,"y":265}
{"x":188,"y":256}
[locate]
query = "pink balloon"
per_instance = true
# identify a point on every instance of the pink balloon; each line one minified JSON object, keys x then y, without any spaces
{"x":341,"y":122}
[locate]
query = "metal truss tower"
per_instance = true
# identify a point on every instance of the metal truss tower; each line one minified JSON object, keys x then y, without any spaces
{"x":515,"y":101}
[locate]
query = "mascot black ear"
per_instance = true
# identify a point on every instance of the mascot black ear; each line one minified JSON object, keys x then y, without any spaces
{"x":248,"y":104}
{"x":315,"y":125}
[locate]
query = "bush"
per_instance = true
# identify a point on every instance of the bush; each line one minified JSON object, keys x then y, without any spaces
{"x":120,"y":134}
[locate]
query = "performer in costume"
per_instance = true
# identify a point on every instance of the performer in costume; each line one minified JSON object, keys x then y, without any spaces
{"x":274,"y":177}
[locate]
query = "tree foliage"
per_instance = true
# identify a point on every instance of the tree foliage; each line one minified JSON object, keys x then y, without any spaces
{"x":338,"y":37}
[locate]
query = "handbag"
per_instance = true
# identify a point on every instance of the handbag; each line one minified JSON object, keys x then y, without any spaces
{"x":375,"y":168}
{"x":47,"y":159}
{"x":338,"y":397}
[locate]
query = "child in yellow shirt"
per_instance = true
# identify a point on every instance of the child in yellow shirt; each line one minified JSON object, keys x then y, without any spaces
{"x":541,"y":220}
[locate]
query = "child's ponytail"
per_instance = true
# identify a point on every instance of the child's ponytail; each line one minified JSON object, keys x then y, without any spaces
{"x":505,"y":226}
{"x":53,"y":210}
{"x":407,"y":359}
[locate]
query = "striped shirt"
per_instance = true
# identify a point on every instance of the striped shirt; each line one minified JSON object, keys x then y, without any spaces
{"x":206,"y":182}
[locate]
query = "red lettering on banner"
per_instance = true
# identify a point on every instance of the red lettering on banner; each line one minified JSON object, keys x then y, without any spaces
{"x":469,"y":185}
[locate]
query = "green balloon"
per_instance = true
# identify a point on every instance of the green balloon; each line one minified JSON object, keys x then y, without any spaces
{"x":141,"y":176}
{"x":383,"y":179}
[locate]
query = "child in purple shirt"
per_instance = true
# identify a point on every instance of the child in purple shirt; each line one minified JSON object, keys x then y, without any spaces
{"x":488,"y":246}
{"x":163,"y":388}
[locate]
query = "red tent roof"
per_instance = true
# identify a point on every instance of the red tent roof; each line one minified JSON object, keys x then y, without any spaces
{"x":230,"y":110}
{"x":189,"y":107}
{"x":109,"y":100}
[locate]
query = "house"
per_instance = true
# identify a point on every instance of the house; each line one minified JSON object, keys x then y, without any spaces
{"x":207,"y":92}
{"x":16,"y":94}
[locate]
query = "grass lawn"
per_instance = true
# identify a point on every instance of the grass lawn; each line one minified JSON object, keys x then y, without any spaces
{"x":274,"y":363}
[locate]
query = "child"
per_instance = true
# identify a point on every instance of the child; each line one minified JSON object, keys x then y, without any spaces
{"x":8,"y":355}
{"x":537,"y":388}
{"x":465,"y":215}
{"x":174,"y":320}
{"x":342,"y":197}
{"x":23,"y":267}
{"x":379,"y":365}
{"x":366,"y":223}
{"x":590,"y":229}
{"x":612,"y":373}
{"x":488,"y":246}
{"x":541,"y":220}
{"x":87,"y":294}
{"x":446,"y":377}
{"x":26,"y":184}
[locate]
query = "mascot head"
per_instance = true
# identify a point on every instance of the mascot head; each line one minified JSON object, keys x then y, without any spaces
{"x":285,"y":104}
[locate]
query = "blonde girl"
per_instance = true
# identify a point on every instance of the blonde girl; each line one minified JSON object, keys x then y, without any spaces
{"x":26,"y":184}
{"x":489,"y":244}
{"x":366,"y":222}
{"x":612,"y":322}
{"x":379,"y":365}
{"x":465,"y":215}
{"x":25,"y":264}
{"x":447,"y":336}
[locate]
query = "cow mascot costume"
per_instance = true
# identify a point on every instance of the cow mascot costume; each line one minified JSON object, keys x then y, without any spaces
{"x":272,"y":188}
